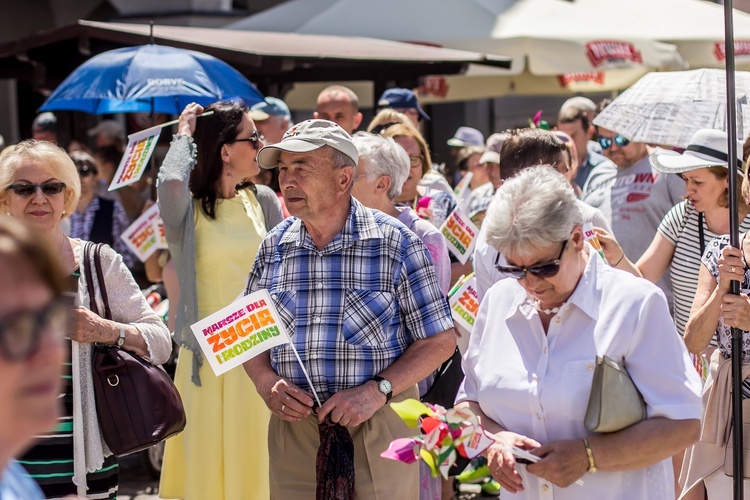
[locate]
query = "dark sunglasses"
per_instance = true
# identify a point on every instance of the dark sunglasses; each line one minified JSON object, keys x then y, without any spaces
{"x":546,"y":270}
{"x":21,"y":333}
{"x":606,"y":142}
{"x":253,"y":139}
{"x":26,"y":190}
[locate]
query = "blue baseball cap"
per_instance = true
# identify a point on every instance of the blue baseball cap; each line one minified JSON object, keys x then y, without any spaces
{"x":272,"y":106}
{"x":401,"y":98}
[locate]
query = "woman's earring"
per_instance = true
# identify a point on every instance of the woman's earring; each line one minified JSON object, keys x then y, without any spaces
{"x":64,"y":212}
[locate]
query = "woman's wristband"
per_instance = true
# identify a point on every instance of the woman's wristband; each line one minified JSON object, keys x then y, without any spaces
{"x":620,"y":260}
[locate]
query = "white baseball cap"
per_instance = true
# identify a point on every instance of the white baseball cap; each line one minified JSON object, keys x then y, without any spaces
{"x":307,"y":136}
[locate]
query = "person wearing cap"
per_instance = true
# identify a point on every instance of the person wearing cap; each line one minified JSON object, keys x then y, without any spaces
{"x":108,"y":133}
{"x":404,"y":101}
{"x":480,"y":197}
{"x":272,"y":117}
{"x":44,"y":127}
{"x":214,"y":220}
{"x":339,"y":104}
{"x":575,"y":119}
{"x":632,"y":195}
{"x":359,"y":297}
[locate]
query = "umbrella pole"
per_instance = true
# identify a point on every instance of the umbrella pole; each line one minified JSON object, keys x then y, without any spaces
{"x":738,"y":468}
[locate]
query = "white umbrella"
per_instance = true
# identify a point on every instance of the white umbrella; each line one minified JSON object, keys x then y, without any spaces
{"x":667,"y":108}
{"x":574,"y":48}
{"x":696,"y":27}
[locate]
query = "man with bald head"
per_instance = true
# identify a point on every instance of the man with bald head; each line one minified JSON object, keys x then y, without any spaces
{"x":339,"y":104}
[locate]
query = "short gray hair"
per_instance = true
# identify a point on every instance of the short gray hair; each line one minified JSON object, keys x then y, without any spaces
{"x":531,"y":210}
{"x":385,"y":157}
{"x":339,"y":160}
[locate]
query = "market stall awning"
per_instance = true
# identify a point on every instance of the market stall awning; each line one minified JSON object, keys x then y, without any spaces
{"x":267,"y":59}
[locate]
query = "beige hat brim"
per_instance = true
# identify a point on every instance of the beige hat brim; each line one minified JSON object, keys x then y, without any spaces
{"x":268,"y":156}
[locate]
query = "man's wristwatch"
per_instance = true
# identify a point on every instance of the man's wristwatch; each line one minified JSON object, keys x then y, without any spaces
{"x":384,"y":386}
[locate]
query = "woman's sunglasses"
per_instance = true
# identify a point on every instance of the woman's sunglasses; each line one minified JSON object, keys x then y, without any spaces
{"x":26,"y":190}
{"x":546,"y":270}
{"x":253,"y":139}
{"x":21,"y":333}
{"x":606,"y":142}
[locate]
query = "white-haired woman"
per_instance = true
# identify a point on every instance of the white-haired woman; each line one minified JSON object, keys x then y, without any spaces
{"x":530,"y":361}
{"x":381,"y":171}
{"x":40,"y":186}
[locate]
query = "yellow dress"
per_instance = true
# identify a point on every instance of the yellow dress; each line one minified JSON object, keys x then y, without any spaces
{"x":223,"y":451}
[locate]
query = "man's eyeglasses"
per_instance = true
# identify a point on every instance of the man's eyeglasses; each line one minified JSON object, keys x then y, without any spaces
{"x":606,"y":142}
{"x":21,"y":333}
{"x":416,"y":161}
{"x":253,"y":139}
{"x":546,"y":270}
{"x":26,"y":190}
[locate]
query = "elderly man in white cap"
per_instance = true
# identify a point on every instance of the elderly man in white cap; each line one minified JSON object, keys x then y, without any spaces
{"x":360,"y":300}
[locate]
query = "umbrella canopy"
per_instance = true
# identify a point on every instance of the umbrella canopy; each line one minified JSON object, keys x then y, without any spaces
{"x":547,"y":37}
{"x":149,"y":78}
{"x":668,"y":108}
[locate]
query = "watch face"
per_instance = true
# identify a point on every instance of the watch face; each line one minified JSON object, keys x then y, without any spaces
{"x":385,"y":386}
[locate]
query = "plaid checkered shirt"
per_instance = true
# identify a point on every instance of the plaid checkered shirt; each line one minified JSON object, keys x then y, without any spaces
{"x":352,"y":308}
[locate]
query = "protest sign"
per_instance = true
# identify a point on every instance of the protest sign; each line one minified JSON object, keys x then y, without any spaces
{"x":464,"y":304}
{"x":161,"y":236}
{"x":460,"y":234}
{"x":462,"y":188}
{"x":240,"y":331}
{"x":135,"y":159}
{"x":143,"y":237}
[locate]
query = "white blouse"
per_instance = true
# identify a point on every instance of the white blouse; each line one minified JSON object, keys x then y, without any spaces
{"x":538,"y":385}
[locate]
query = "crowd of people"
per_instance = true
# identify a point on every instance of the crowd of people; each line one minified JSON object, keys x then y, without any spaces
{"x":342,"y":227}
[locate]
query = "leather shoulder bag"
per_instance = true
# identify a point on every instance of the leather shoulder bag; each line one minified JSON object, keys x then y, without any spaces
{"x":137,"y":404}
{"x":615,"y":402}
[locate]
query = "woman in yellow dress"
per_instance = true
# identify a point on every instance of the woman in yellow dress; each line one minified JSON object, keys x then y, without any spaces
{"x":215,"y":220}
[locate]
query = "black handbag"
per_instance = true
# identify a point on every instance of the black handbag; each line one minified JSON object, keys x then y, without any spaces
{"x":137,"y":404}
{"x":447,"y":381}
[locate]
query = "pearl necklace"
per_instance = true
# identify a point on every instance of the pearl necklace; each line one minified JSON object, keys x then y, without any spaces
{"x":536,"y":305}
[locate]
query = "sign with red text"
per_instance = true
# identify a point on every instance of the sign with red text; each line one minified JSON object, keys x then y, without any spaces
{"x":237,"y":333}
{"x":464,"y":305}
{"x":460,"y":234}
{"x":141,"y":146}
{"x":145,"y":236}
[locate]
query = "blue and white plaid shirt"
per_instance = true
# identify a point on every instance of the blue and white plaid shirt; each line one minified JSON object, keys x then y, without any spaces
{"x":354,"y":307}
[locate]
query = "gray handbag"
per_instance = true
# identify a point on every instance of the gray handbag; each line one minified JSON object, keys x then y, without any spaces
{"x":615,"y":402}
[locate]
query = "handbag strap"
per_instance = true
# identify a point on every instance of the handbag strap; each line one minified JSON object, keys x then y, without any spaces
{"x":87,"y":270}
{"x":100,"y":280}
{"x":90,"y":272}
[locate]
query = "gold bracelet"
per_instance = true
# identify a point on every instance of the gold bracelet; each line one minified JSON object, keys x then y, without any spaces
{"x":592,"y":465}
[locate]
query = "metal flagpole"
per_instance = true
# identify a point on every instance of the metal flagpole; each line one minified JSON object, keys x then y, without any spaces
{"x":735,"y":242}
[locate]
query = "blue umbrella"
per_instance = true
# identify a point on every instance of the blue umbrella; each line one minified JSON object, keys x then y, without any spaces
{"x":149,"y":78}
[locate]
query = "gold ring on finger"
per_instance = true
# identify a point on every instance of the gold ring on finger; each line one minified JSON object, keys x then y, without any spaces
{"x":283,"y":407}
{"x":733,"y":269}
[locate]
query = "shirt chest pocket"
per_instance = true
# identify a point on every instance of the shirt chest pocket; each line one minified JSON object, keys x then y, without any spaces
{"x":367,"y":316}
{"x":286,"y":306}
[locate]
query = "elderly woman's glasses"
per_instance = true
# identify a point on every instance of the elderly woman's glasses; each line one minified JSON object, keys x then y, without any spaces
{"x":546,"y":270}
{"x":253,"y":139}
{"x":416,"y":161}
{"x":26,"y":190}
{"x":606,"y":142}
{"x":21,"y":333}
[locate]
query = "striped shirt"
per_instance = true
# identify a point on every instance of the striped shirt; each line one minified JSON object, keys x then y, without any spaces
{"x":352,"y":308}
{"x":50,"y":460}
{"x":680,"y":227}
